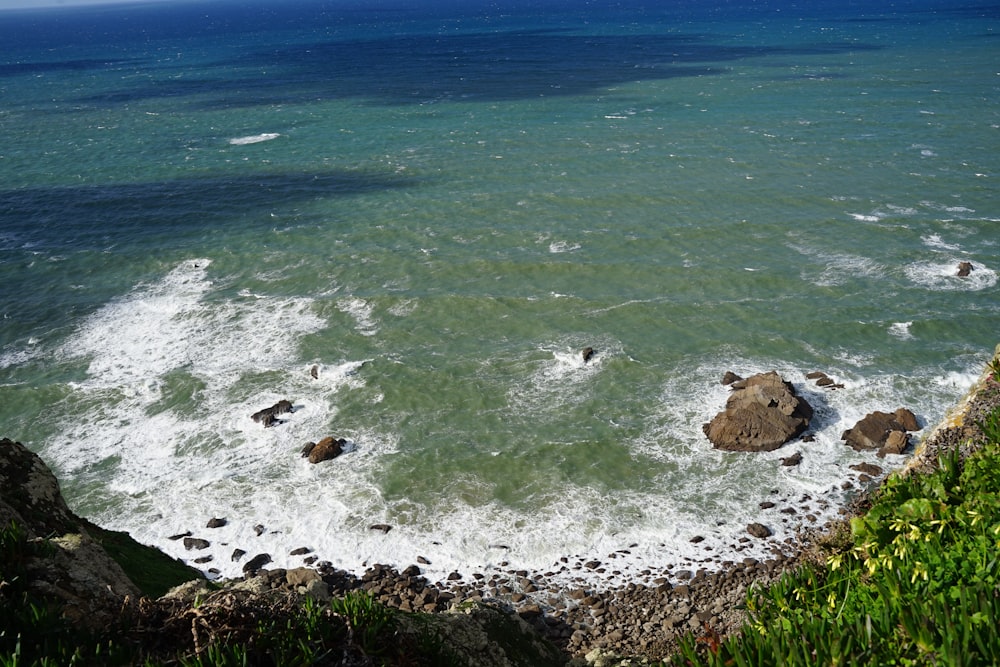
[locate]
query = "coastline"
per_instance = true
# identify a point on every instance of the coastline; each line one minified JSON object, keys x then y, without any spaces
{"x":584,"y":626}
{"x":642,"y":620}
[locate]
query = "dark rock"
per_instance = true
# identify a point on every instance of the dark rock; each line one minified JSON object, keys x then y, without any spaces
{"x":824,"y":382}
{"x":256,"y":563}
{"x":759,"y":530}
{"x":237,"y":555}
{"x":423,"y":561}
{"x":587,"y":354}
{"x":216,"y":523}
{"x":180,"y":536}
{"x":195,"y":543}
{"x":326,"y":449}
{"x":730,"y":377}
{"x":307,"y":449}
{"x":269,"y":416}
{"x":964,"y":269}
{"x":259,"y":529}
{"x":203,"y":559}
{"x":696,"y":539}
{"x":301,"y":551}
{"x":766,"y":505}
{"x":383,"y":527}
{"x":816,"y":375}
{"x":314,"y":372}
{"x":792,"y":460}
{"x":762,"y":415}
{"x":867,"y":468}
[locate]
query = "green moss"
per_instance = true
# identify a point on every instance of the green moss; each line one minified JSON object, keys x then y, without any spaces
{"x":150,"y":569}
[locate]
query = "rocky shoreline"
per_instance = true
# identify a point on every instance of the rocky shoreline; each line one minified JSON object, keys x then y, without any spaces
{"x":644,"y":619}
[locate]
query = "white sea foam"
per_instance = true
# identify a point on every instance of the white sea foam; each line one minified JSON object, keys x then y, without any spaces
{"x":253,"y":139}
{"x":935,"y":241}
{"x":839,"y":267}
{"x":363,"y":313}
{"x":901,"y":330}
{"x":172,"y":470}
{"x":563,"y":246}
{"x":942,"y":276}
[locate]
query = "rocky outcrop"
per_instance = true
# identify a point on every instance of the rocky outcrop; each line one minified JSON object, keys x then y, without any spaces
{"x":269,"y":416}
{"x":324,"y":450}
{"x":882,"y":431}
{"x":66,"y":566}
{"x":762,"y":414}
{"x":964,"y":269}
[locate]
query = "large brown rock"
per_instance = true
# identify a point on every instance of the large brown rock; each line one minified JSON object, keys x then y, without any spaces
{"x":762,"y":414}
{"x":326,"y":449}
{"x":882,"y":431}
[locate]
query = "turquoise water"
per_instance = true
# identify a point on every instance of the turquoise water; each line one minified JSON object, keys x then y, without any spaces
{"x":439,"y":208}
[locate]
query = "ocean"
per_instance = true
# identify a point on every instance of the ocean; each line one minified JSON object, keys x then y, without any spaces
{"x":436,"y":207}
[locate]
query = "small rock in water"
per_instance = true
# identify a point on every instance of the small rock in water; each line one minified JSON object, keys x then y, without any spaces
{"x":587,"y":354}
{"x":792,"y":460}
{"x":195,"y":543}
{"x":216,"y":523}
{"x":257,"y":562}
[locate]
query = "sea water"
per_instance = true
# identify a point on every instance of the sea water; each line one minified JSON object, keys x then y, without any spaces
{"x":437,"y":207}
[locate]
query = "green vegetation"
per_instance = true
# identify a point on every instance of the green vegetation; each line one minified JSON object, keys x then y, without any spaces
{"x":32,"y":632}
{"x":915,"y":582}
{"x":224,"y":631}
{"x":153,"y":571}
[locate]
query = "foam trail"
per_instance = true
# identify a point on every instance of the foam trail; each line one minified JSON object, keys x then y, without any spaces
{"x":253,"y":139}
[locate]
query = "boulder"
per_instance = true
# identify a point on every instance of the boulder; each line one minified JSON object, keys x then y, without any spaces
{"x":269,"y":416}
{"x":730,"y":377}
{"x":326,"y":449}
{"x":762,"y":414}
{"x":587,"y":354}
{"x":759,"y":530}
{"x":882,"y":431}
{"x":792,"y":460}
{"x":964,"y":269}
{"x":256,"y":563}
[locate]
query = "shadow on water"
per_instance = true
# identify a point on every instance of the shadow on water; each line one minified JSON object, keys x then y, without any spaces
{"x":475,"y":67}
{"x":406,"y":57}
{"x":88,"y":216}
